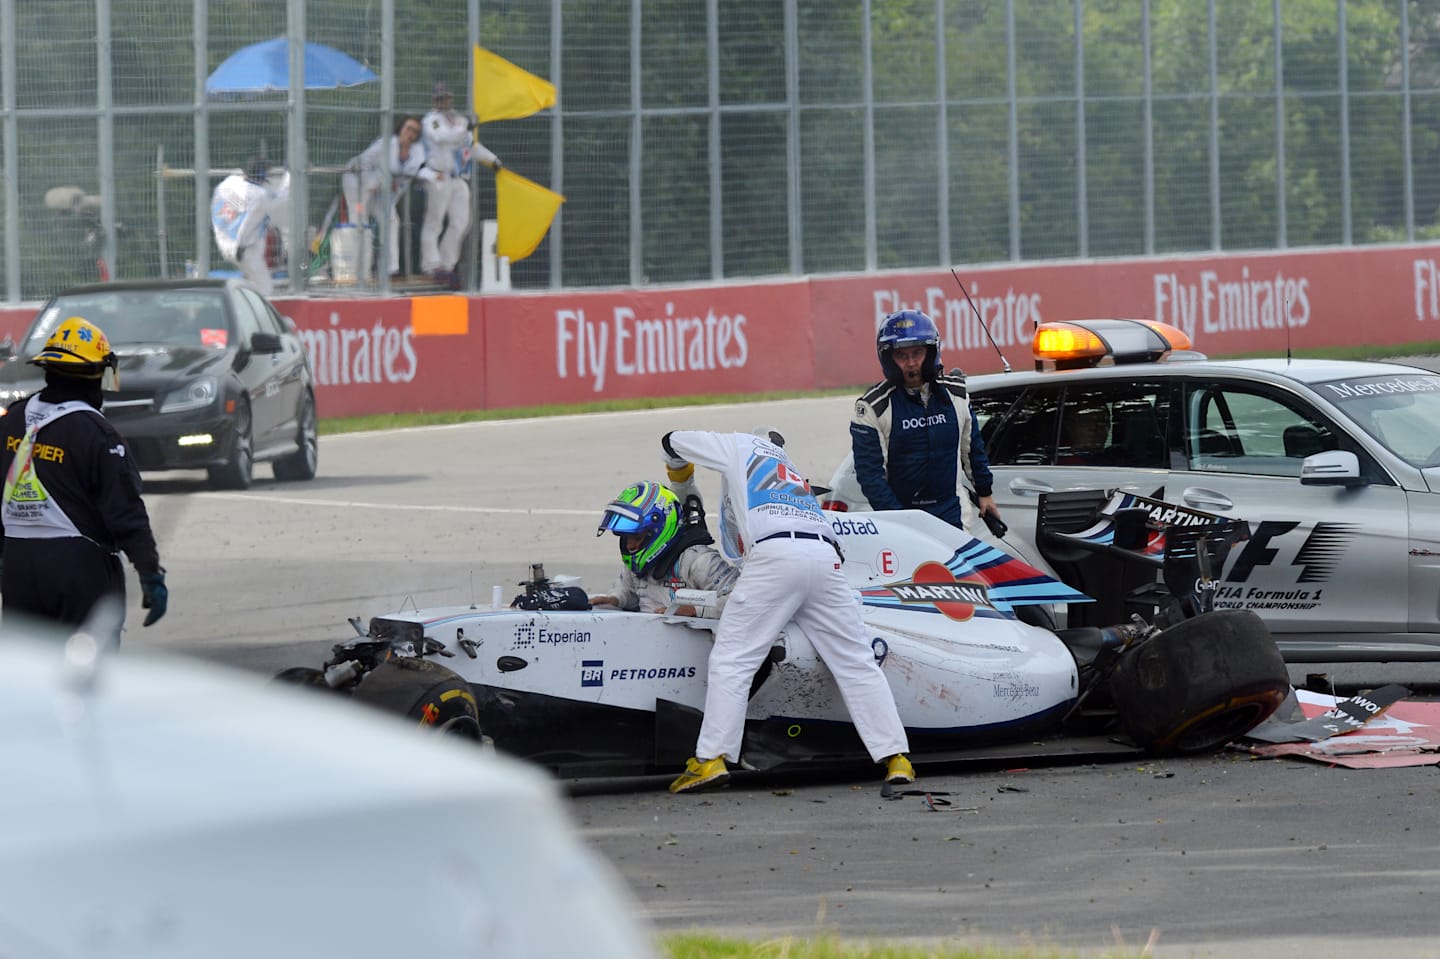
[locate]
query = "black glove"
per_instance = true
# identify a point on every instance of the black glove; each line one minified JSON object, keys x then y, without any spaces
{"x":156,"y":596}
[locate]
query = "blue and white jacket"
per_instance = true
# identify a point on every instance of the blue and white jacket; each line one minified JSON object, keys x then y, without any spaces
{"x":912,"y":452}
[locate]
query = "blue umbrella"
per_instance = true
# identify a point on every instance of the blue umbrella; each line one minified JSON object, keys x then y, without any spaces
{"x":265,"y":68}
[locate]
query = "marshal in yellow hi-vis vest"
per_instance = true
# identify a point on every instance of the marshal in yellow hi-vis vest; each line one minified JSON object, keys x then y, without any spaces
{"x":25,"y":505}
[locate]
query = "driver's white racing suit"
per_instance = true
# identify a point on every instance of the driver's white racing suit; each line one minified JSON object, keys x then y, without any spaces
{"x":698,"y":567}
{"x":790,"y":572}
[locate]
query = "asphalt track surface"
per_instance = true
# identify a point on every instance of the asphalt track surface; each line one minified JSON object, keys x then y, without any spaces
{"x":1213,"y":856}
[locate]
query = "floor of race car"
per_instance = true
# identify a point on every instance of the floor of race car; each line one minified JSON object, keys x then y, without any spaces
{"x":1060,"y":751}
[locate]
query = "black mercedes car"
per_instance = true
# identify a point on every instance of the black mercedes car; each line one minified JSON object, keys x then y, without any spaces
{"x":211,"y":376}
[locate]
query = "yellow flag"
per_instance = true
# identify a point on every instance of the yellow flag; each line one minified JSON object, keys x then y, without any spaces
{"x":505,"y":92}
{"x":523,"y":210}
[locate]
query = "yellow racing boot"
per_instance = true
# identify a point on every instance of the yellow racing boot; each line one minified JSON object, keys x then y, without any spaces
{"x":701,"y":774}
{"x":898,"y":770}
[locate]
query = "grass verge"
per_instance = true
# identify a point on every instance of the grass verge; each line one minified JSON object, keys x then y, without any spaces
{"x":390,"y":421}
{"x":698,"y":946}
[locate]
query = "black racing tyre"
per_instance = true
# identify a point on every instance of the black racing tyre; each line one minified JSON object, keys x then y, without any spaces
{"x":1200,"y":683}
{"x":425,"y":692}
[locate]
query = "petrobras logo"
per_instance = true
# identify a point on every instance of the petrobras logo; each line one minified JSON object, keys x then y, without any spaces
{"x":854,"y":527}
{"x":653,"y":672}
{"x":592,"y":672}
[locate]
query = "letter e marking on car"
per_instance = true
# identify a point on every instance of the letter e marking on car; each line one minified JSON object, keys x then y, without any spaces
{"x":885,"y":562}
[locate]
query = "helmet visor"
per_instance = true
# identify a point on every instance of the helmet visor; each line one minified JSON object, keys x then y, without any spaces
{"x":903,"y":343}
{"x":621,"y":518}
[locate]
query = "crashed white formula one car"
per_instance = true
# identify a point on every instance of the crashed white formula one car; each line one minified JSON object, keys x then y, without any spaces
{"x":600,"y":692}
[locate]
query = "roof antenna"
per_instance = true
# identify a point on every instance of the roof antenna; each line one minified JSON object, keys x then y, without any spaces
{"x":1003,"y":362}
{"x":1287,"y":331}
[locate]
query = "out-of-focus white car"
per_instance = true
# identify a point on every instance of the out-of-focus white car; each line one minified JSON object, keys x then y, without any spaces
{"x":159,"y":807}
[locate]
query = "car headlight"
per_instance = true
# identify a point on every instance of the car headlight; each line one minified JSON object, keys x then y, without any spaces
{"x":192,"y":396}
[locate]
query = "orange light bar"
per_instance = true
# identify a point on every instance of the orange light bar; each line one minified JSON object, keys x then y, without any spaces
{"x":1170,"y":334}
{"x":1065,"y":341}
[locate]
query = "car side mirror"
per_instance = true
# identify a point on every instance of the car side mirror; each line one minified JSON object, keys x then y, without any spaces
{"x":1332,"y":468}
{"x":265,"y":343}
{"x":7,"y":349}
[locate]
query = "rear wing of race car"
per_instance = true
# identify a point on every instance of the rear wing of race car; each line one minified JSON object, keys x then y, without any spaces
{"x":1134,"y":554}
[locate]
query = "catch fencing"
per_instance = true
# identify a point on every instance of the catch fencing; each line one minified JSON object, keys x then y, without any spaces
{"x":705,"y":140}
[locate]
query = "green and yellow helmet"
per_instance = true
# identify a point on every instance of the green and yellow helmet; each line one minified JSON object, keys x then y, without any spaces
{"x":646,"y":516}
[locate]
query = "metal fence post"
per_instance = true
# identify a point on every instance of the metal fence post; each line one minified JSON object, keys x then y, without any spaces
{"x":637,"y":139}
{"x":1282,"y":230}
{"x":867,"y":84}
{"x":105,"y":101}
{"x":712,"y":82}
{"x":12,"y":152}
{"x":1214,"y":64}
{"x":474,"y":239}
{"x":1082,"y":195}
{"x":201,"y":164}
{"x":1343,"y":55}
{"x":1407,"y":157}
{"x":942,"y":135}
{"x":557,"y":146}
{"x":386,"y":211}
{"x":1147,"y":54}
{"x":1012,"y":145}
{"x":297,"y":156}
{"x":794,"y":219}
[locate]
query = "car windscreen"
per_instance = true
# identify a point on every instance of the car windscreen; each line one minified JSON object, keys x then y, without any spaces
{"x":195,"y":317}
{"x":1400,"y":410}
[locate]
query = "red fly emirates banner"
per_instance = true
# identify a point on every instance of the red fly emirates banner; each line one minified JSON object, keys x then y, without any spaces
{"x":1226,"y":304}
{"x":580,"y":347}
{"x":456,"y":353}
{"x":429,"y":353}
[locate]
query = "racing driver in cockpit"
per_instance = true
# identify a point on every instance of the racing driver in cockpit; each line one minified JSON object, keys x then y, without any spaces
{"x":664,"y":547}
